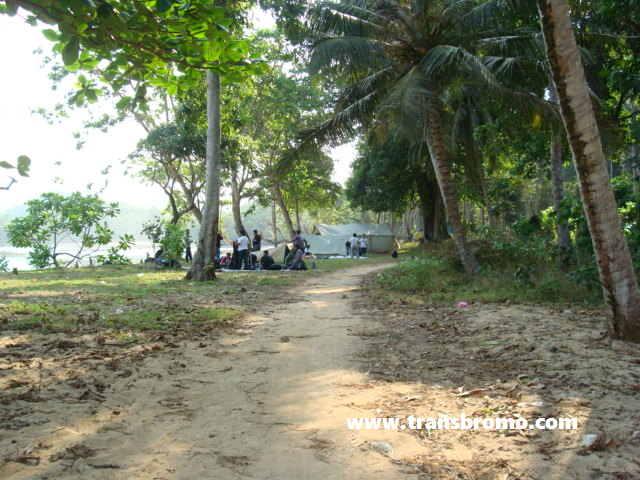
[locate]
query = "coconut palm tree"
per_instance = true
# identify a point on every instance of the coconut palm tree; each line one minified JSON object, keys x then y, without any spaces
{"x":617,"y":276}
{"x":405,"y":63}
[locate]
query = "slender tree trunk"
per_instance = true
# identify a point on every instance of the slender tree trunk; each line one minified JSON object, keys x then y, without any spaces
{"x":205,"y":254}
{"x":275,"y":225}
{"x":564,"y":238}
{"x":440,"y":159}
{"x":297,"y":210}
{"x":437,"y":216}
{"x":284,"y":210}
{"x":618,"y":279}
{"x":235,"y":201}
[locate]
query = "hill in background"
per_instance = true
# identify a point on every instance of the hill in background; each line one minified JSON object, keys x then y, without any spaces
{"x":129,"y":220}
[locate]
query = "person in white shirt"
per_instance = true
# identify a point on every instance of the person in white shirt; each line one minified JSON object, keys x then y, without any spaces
{"x":355,"y":246}
{"x":243,"y":251}
{"x":363,"y":246}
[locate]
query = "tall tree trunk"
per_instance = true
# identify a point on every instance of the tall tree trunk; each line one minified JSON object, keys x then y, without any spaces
{"x":564,"y":238}
{"x":205,"y":254}
{"x":283,"y":208}
{"x":440,"y":159}
{"x":437,"y":216}
{"x":475,"y":163}
{"x":297,"y":210}
{"x":619,"y":282}
{"x":427,"y":190}
{"x":235,"y":201}
{"x":275,"y":225}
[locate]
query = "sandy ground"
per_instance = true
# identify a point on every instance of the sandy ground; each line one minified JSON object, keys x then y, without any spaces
{"x":269,"y":400}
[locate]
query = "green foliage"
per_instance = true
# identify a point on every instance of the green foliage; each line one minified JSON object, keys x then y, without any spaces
{"x":115,"y":255}
{"x":53,"y":220}
{"x":168,"y":42}
{"x":381,"y":180}
{"x":4,"y":265}
{"x":435,"y":275}
{"x":173,"y":242}
{"x":152,"y":229}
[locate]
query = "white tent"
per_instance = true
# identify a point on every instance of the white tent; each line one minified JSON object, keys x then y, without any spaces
{"x":276,"y":252}
{"x":380,"y":237}
{"x":327,"y":244}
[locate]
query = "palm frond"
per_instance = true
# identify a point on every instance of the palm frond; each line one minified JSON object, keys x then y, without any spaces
{"x":493,"y":12}
{"x":341,"y":127}
{"x":357,"y":19}
{"x":364,"y":86}
{"x":345,"y":54}
{"x":440,"y":61}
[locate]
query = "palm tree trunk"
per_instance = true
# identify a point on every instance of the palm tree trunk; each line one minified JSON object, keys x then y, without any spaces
{"x":619,"y":282}
{"x":440,"y":159}
{"x":205,"y":253}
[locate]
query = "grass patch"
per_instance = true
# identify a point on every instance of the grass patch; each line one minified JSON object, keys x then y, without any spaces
{"x":128,"y":298}
{"x":433,"y":274}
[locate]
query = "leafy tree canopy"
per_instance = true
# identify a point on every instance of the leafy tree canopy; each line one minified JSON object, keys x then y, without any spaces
{"x":53,"y":220}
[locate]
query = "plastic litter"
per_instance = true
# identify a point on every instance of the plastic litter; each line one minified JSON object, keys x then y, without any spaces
{"x":462,"y":304}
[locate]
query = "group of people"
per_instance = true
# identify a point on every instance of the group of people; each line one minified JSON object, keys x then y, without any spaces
{"x":357,"y":246}
{"x":243,"y":258}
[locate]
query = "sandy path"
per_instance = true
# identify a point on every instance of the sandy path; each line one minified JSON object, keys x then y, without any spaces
{"x":270,"y":404}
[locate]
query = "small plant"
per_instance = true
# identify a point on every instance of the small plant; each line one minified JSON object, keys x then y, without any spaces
{"x":4,"y":265}
{"x":115,"y":255}
{"x":152,"y":229}
{"x":173,"y":243}
{"x":586,"y":275}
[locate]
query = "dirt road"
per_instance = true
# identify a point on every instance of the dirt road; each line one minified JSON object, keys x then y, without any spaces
{"x":267,"y":404}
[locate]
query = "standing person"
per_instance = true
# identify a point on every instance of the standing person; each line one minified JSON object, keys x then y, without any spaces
{"x":347,"y":245}
{"x":243,"y":251}
{"x":363,"y":246}
{"x":188,"y":257}
{"x":355,"y":246}
{"x":257,"y":240}
{"x":298,"y":241}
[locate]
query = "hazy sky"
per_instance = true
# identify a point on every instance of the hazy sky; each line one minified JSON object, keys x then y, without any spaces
{"x":24,"y":86}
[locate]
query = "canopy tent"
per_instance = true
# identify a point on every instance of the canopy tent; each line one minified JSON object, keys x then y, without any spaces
{"x":327,"y":244}
{"x":380,"y":237}
{"x":277,"y":253}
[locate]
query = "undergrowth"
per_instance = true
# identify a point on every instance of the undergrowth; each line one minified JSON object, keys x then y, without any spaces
{"x":522,"y":273}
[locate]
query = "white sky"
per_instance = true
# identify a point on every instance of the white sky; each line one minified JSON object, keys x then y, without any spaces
{"x":24,"y":86}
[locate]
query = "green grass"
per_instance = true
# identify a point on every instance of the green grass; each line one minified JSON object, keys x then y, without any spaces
{"x":433,"y":274}
{"x":130,"y":298}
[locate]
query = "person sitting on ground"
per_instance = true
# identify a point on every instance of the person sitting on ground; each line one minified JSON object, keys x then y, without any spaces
{"x":307,"y":251}
{"x":226,"y":260}
{"x":267,"y":262}
{"x":294,"y":260}
{"x":159,"y":260}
